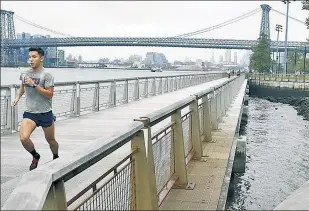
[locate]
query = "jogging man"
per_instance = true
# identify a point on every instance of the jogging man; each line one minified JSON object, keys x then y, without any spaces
{"x":38,"y":86}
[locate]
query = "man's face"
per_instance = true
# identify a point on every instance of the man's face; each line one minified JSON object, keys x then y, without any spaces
{"x":35,"y":59}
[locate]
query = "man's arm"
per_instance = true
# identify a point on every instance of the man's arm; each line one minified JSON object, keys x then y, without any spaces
{"x":48,"y":92}
{"x":20,"y":93}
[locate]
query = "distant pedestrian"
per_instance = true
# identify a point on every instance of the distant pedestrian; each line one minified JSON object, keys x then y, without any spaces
{"x":38,"y":86}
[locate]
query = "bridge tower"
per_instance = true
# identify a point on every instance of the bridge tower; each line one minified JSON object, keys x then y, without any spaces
{"x":8,"y":56}
{"x":265,"y":20}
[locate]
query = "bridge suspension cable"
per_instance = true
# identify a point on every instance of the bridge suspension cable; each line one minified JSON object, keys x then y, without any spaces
{"x":281,"y":13}
{"x":234,"y":20}
{"x":40,"y":27}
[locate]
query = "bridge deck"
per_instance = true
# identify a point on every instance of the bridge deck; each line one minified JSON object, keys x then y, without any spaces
{"x":211,"y":173}
{"x":75,"y":134}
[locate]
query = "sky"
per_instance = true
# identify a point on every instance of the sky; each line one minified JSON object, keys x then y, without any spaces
{"x":152,"y":19}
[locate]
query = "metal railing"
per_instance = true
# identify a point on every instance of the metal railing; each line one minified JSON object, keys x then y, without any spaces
{"x":77,"y":98}
{"x":304,"y":78}
{"x":142,"y":178}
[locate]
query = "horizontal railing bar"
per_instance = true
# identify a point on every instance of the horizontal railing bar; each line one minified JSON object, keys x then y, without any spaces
{"x":100,"y":178}
{"x":157,"y":140}
{"x":169,"y":179}
{"x":163,"y":113}
{"x":201,"y":105}
{"x":162,"y":130}
{"x":113,"y":80}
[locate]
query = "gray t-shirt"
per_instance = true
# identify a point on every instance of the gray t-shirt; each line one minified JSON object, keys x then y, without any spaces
{"x":36,"y":102}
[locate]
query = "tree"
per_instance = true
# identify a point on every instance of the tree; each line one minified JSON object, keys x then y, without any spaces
{"x":306,"y":7}
{"x":296,"y":62}
{"x":260,"y":60}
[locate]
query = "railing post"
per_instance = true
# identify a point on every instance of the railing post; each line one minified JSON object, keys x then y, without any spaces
{"x":219,"y":105}
{"x":166,"y":85}
{"x":126,"y":92}
{"x":75,"y":101}
{"x":56,"y":197}
{"x":171,"y":84}
{"x":206,"y":119}
{"x":96,"y":98}
{"x":11,"y":112}
{"x":112,"y":94}
{"x":195,"y":132}
{"x":136,"y":89}
{"x":146,"y":88}
{"x":214,"y":119}
{"x":180,"y":160}
{"x":14,"y":111}
{"x":153,"y":87}
{"x":223,"y":100}
{"x":160,"y":86}
{"x":227,"y":104}
{"x":144,"y":190}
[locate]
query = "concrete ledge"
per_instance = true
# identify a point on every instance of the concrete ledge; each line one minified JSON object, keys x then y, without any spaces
{"x":239,"y":165}
{"x":299,"y":200}
{"x":31,"y":191}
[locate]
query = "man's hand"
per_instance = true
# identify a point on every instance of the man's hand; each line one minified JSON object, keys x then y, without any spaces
{"x":15,"y":101}
{"x":29,"y":81}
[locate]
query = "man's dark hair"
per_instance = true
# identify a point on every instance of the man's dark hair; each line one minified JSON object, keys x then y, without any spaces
{"x":37,"y":49}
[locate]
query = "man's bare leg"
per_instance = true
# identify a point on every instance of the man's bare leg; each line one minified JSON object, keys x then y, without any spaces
{"x":26,"y":128}
{"x":50,"y":138}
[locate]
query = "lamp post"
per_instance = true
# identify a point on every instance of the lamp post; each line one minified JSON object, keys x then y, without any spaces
{"x":287,"y":2}
{"x":278,"y":29}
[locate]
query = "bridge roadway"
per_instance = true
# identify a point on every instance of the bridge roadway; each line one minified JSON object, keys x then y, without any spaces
{"x":149,"y":41}
{"x":76,"y":134}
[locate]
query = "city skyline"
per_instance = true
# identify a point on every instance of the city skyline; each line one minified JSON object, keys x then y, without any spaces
{"x":133,"y":19}
{"x":52,"y":54}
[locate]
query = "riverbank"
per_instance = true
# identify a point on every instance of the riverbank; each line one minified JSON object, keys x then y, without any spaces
{"x":299,"y":99}
{"x":300,"y":104}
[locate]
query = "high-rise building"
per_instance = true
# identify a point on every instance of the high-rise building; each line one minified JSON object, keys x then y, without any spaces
{"x":155,"y":59}
{"x":228,"y":56}
{"x":245,"y":59}
{"x":235,"y":57}
{"x":212,"y":57}
{"x":61,"y":57}
{"x":23,"y":36}
{"x":70,"y":58}
{"x":135,"y":58}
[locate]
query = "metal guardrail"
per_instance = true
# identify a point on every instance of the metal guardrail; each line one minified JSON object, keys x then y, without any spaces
{"x":143,"y":177}
{"x":77,"y":98}
{"x":304,"y":78}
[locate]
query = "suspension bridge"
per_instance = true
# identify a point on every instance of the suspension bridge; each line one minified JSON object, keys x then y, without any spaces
{"x":10,"y":44}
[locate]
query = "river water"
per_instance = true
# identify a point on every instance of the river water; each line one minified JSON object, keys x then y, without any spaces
{"x":11,"y":75}
{"x":277,"y":157}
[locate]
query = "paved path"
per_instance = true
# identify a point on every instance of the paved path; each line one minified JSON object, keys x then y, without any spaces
{"x":211,"y":173}
{"x":76,"y":134}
